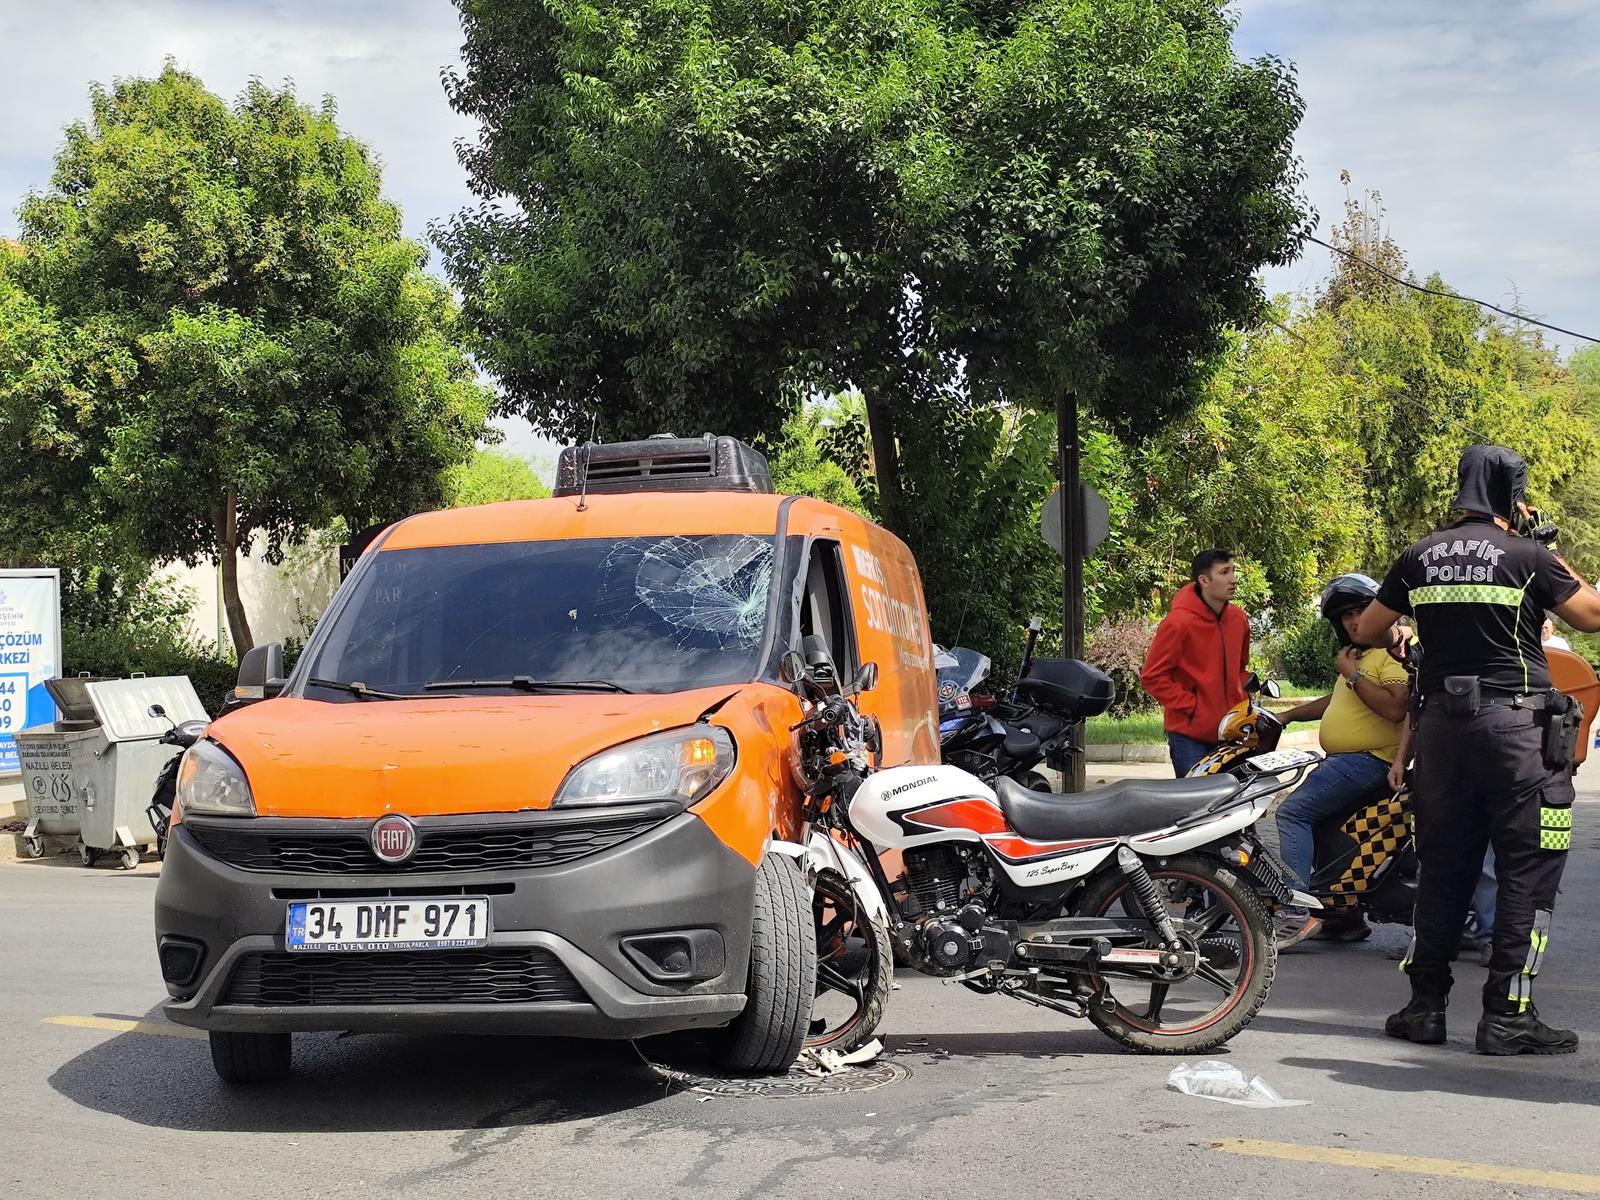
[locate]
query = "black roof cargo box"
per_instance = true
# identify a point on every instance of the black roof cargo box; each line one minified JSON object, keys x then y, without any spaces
{"x":663,"y":463}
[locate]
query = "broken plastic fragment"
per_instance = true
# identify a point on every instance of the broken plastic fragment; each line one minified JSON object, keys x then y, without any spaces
{"x":1212,"y":1080}
{"x":863,"y":1054}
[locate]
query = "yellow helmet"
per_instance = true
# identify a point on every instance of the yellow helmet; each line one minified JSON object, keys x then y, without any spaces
{"x":1238,"y":723}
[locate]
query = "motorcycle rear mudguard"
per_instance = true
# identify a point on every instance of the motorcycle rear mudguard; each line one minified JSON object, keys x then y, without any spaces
{"x":1392,"y":896}
{"x":1264,"y":869}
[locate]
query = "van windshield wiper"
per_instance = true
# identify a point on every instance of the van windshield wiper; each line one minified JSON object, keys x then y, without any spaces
{"x":357,"y":688}
{"x":527,"y":683}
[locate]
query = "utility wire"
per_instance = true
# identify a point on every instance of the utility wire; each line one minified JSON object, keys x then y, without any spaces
{"x":1417,"y":287}
{"x":1401,"y":397}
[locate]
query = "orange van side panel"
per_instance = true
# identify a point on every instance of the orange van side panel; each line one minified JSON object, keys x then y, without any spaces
{"x":891,"y":623}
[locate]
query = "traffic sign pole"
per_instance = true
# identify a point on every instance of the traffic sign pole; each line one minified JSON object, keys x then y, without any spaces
{"x":1072,"y":525}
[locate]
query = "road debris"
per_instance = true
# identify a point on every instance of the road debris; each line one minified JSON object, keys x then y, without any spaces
{"x":1212,"y":1080}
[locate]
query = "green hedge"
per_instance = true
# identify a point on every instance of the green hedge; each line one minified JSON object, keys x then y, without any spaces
{"x":1306,"y":655}
{"x":121,"y":651}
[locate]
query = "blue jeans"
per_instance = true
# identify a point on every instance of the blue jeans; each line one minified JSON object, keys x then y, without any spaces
{"x":1186,"y":751}
{"x":1341,"y":783}
{"x":1483,"y":897}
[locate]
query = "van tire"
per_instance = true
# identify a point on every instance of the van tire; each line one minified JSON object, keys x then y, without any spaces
{"x":766,"y":1037}
{"x":251,"y":1057}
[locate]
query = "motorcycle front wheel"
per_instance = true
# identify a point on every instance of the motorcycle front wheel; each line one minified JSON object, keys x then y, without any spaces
{"x":855,"y":968}
{"x":1219,"y":915}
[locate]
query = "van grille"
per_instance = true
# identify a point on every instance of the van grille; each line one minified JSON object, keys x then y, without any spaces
{"x":443,"y":844}
{"x":497,"y":975}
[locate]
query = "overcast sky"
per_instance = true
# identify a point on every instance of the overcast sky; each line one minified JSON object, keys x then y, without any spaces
{"x":1475,"y":119}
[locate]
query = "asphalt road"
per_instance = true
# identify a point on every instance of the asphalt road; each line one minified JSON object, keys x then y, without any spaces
{"x":1001,"y":1098}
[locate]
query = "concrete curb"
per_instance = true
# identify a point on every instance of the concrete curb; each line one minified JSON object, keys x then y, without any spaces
{"x":1151,"y":752}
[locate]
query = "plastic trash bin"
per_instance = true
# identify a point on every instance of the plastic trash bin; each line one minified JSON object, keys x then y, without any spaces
{"x":111,"y":766}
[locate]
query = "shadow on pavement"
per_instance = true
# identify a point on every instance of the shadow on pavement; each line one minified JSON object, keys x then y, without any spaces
{"x":1075,"y":1040}
{"x":1454,"y":1070}
{"x":365,"y":1083}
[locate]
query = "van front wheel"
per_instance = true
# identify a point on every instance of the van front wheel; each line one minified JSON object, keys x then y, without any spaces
{"x":766,"y":1037}
{"x":251,"y":1057}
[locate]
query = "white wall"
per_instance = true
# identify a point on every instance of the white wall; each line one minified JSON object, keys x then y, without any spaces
{"x":281,"y":602}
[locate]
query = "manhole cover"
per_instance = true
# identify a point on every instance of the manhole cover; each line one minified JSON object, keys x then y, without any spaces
{"x":796,"y":1083}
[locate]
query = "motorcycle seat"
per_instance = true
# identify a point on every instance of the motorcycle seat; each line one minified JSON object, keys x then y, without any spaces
{"x":1126,"y":807}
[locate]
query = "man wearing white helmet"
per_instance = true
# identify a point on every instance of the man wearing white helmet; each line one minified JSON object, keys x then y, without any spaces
{"x":1360,"y":733}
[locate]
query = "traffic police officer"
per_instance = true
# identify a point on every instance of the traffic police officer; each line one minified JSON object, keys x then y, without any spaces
{"x":1486,"y":773}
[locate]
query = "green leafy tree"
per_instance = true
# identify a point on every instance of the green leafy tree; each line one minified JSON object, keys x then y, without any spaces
{"x":1579,"y":497}
{"x":799,"y":457}
{"x":697,"y":214}
{"x":1264,"y":467}
{"x":490,"y":476}
{"x":226,"y":340}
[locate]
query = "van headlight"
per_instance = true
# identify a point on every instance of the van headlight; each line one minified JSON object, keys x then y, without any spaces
{"x":211,"y":783}
{"x":682,"y":765}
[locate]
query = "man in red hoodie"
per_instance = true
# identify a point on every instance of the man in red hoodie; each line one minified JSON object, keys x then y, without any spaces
{"x":1196,"y":664}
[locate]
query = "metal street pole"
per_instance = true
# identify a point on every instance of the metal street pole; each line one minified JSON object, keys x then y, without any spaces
{"x":1072,"y":528}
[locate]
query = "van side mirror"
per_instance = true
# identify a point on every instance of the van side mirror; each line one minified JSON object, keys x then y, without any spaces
{"x":792,"y":668}
{"x":867,"y":677}
{"x":1271,"y":690}
{"x":260,"y":673}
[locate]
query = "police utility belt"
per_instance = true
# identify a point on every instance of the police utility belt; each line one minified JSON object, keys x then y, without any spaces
{"x":1558,"y":713}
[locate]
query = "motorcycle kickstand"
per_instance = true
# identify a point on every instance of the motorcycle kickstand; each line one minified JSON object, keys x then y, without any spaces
{"x":1144,"y":888}
{"x":1018,"y":991}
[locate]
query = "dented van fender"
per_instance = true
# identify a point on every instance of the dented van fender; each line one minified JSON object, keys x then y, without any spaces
{"x":823,"y":853}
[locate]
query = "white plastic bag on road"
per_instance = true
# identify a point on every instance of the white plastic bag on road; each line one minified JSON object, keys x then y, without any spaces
{"x":1213,"y":1080}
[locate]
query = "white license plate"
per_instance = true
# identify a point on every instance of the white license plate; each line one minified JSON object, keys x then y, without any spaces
{"x":456,"y":923}
{"x":1281,"y":760}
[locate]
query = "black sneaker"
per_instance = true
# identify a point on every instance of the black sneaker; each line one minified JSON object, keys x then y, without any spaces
{"x":1345,"y":927}
{"x":1524,"y":1033}
{"x":1421,"y":1021}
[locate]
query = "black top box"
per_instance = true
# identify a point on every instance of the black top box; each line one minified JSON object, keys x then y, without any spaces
{"x":663,"y":463}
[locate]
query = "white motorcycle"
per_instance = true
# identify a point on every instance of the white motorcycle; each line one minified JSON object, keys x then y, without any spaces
{"x":1140,"y":905}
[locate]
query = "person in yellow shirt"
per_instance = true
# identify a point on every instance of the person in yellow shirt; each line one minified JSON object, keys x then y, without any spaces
{"x":1362,"y":719}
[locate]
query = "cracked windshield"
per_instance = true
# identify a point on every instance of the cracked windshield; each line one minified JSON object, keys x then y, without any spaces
{"x":654,"y":614}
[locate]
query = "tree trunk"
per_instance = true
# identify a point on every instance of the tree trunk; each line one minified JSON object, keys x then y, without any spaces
{"x":228,"y":561}
{"x":885,"y":458}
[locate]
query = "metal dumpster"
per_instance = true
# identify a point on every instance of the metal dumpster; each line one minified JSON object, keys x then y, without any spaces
{"x":110,"y":768}
{"x":47,"y":754}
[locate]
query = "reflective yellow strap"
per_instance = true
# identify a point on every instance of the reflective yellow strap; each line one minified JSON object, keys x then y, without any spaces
{"x":1466,"y":593}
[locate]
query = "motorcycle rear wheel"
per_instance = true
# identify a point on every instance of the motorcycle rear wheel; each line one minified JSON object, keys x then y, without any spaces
{"x":1223,"y":911}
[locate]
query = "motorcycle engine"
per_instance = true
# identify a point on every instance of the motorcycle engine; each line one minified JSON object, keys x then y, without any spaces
{"x":935,"y":876}
{"x":943,"y":938}
{"x":948,"y":947}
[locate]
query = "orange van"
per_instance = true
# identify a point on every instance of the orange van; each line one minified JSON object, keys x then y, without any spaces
{"x":531,"y":773}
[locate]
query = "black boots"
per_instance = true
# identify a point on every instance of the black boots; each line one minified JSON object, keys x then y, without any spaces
{"x":1522,"y":1033}
{"x":1421,"y":1021}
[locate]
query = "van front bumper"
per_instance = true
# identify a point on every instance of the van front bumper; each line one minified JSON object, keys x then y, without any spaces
{"x":569,"y":953}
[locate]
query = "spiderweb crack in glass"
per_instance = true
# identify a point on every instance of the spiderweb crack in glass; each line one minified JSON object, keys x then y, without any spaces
{"x":699,"y":586}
